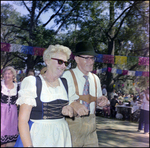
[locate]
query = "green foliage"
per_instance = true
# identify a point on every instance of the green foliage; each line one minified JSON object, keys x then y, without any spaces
{"x":119,"y":27}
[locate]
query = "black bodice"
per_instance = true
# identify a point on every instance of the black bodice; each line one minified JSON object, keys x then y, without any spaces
{"x":8,"y":100}
{"x":48,"y":110}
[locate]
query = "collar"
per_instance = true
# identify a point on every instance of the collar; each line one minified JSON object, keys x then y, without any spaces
{"x":81,"y":74}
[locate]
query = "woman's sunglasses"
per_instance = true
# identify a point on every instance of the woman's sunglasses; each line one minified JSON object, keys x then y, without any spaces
{"x":60,"y":62}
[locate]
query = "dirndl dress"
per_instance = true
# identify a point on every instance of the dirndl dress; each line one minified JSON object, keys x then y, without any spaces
{"x":49,"y":128}
{"x":9,"y":117}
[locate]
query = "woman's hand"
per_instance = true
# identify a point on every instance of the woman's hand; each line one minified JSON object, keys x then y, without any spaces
{"x":67,"y":111}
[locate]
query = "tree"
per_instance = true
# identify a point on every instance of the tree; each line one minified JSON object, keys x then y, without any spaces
{"x":115,"y":33}
{"x":32,"y":30}
{"x":8,"y":33}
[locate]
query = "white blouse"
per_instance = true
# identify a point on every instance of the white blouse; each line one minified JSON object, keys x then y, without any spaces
{"x":8,"y":92}
{"x":27,"y":93}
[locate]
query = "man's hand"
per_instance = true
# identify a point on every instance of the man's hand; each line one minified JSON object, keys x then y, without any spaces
{"x":80,"y":109}
{"x":102,"y":101}
{"x":67,"y":111}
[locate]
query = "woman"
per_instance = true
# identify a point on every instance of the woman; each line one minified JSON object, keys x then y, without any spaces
{"x":144,"y":113}
{"x":9,"y":119}
{"x":106,"y":109}
{"x":49,"y":128}
{"x":134,"y":102}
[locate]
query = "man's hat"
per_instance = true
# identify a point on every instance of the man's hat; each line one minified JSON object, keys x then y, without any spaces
{"x":84,"y":48}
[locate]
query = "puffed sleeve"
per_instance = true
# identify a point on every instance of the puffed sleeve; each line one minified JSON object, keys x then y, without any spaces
{"x":27,"y":92}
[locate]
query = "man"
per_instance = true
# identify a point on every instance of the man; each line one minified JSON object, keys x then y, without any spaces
{"x":113,"y":94}
{"x":104,"y":91}
{"x":113,"y":103}
{"x":83,"y":126}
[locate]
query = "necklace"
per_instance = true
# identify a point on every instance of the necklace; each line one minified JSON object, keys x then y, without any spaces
{"x":51,"y":84}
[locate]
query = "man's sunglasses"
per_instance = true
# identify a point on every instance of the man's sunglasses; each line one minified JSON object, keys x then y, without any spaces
{"x":60,"y":62}
{"x":92,"y":58}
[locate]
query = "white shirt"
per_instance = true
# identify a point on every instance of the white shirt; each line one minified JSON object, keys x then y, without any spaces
{"x":145,"y":103}
{"x":134,"y":103}
{"x":81,"y":81}
{"x":104,"y":91}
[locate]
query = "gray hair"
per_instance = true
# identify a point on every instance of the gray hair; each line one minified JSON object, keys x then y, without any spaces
{"x":9,"y":68}
{"x":52,"y":49}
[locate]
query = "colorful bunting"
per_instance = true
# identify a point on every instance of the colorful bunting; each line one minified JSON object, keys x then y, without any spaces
{"x":99,"y":71}
{"x":143,"y":61}
{"x":27,"y":50}
{"x":38,"y":51}
{"x":5,"y":47}
{"x":104,"y":70}
{"x":109,"y":69}
{"x":124,"y":72}
{"x":99,"y":58}
{"x":131,"y":73}
{"x":119,"y":71}
{"x":120,"y":60}
{"x":108,"y":59}
{"x":145,"y":74}
{"x":113,"y":70}
{"x":138,"y":73}
{"x":15,"y":48}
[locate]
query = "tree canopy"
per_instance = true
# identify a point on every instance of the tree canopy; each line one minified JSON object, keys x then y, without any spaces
{"x":113,"y":27}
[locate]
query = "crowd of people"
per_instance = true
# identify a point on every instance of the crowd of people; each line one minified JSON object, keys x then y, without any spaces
{"x":138,"y":103}
{"x":57,"y":108}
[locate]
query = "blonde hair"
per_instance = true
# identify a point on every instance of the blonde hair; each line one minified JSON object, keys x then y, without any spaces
{"x":12,"y":70}
{"x":52,"y":49}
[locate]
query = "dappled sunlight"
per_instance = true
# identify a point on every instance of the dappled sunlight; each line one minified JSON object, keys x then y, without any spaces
{"x":115,"y":133}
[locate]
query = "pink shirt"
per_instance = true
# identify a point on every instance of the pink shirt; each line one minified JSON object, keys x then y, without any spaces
{"x":145,"y":103}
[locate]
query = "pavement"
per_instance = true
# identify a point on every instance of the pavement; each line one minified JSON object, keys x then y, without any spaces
{"x":120,"y":133}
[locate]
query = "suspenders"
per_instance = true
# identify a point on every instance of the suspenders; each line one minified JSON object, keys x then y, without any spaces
{"x":87,"y":98}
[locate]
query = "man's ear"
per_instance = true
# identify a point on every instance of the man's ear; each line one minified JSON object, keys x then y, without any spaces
{"x":76,"y":59}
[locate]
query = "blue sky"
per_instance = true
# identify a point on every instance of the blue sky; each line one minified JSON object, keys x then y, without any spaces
{"x":24,"y":11}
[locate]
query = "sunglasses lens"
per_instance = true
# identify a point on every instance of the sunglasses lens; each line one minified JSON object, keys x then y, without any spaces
{"x":60,"y":62}
{"x":66,"y":63}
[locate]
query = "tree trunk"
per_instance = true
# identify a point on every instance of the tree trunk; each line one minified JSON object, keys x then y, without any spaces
{"x":111,"y":49}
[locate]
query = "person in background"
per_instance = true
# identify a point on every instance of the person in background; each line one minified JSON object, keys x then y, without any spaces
{"x":9,"y":118}
{"x":126,"y":98}
{"x":144,"y":112}
{"x":104,"y":91}
{"x":106,"y":109}
{"x":131,"y":97}
{"x":30,"y":72}
{"x":113,"y":94}
{"x":87,"y":89}
{"x":113,"y":103}
{"x":42,"y":117}
{"x":120,"y":98}
{"x":134,"y":101}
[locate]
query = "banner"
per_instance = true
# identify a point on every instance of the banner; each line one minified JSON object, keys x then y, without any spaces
{"x":102,"y":58}
{"x":123,"y":72}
